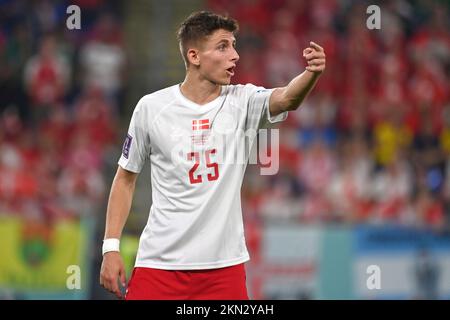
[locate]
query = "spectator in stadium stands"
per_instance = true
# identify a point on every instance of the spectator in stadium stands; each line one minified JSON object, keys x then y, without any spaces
{"x":390,"y":135}
{"x":46,"y":78}
{"x":391,"y":190}
{"x":349,"y":190}
{"x":14,"y":52}
{"x":103,"y":59}
{"x":94,"y":115}
{"x":428,"y":156}
{"x":429,"y":210}
{"x":282,"y":63}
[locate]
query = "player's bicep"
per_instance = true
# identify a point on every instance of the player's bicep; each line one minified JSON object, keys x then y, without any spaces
{"x":126,"y":176}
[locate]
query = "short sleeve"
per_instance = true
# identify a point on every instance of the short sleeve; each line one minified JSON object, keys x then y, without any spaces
{"x":258,"y":116}
{"x":136,"y":147}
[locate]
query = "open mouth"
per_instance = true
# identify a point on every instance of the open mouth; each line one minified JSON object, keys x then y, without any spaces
{"x":231,"y":71}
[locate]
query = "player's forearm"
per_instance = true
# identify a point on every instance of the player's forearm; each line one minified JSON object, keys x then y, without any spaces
{"x":290,"y":97}
{"x":119,"y":205}
{"x":298,"y":89}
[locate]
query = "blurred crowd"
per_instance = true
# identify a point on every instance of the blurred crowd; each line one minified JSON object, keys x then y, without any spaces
{"x":371,"y":144}
{"x":60,"y":95}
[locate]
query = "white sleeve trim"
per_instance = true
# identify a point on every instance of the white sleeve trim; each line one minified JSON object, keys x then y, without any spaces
{"x":278,"y":118}
{"x":127,"y":166}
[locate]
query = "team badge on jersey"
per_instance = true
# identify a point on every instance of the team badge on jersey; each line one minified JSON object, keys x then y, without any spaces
{"x":199,"y":126}
{"x":202,"y":124}
{"x":126,"y":146}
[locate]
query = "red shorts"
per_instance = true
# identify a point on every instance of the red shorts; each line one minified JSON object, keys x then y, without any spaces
{"x":212,"y":284}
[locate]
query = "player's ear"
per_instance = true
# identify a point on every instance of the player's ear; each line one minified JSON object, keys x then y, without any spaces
{"x":193,"y":57}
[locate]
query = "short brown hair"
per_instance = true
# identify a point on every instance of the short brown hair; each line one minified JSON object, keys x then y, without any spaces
{"x":201,"y":24}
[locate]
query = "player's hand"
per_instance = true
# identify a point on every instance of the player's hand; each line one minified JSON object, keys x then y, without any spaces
{"x":315,"y":57}
{"x":111,"y":272}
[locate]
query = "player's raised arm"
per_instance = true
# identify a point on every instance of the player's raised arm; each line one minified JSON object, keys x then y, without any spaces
{"x":119,"y":205}
{"x":290,"y":97}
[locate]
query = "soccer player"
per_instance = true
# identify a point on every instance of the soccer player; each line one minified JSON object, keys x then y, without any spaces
{"x":193,"y":246}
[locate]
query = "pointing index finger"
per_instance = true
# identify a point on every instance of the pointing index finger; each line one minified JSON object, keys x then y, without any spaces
{"x":315,"y":46}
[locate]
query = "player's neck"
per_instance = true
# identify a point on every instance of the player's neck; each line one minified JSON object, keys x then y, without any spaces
{"x":200,"y":91}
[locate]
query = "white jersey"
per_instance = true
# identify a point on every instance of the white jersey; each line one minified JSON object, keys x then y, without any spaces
{"x":197,"y":169}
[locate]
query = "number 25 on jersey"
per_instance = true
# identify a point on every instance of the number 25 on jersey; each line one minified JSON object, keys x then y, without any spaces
{"x":195,"y":156}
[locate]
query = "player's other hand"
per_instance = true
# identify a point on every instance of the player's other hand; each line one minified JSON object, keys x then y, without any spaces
{"x":113,"y":271}
{"x":315,"y":58}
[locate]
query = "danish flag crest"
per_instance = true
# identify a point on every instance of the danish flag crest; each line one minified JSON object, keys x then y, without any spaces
{"x":202,"y":124}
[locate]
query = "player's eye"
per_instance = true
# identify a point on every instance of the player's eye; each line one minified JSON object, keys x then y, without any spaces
{"x":222,"y":47}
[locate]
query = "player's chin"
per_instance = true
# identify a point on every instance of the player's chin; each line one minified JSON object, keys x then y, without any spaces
{"x":227,"y":79}
{"x":223,"y":82}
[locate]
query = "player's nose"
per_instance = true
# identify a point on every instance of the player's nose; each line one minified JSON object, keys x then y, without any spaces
{"x":235,"y":56}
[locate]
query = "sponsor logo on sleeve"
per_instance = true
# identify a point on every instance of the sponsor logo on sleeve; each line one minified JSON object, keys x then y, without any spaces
{"x":127,"y":146}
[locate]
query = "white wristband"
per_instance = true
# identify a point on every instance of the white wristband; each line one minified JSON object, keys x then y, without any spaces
{"x":110,"y":245}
